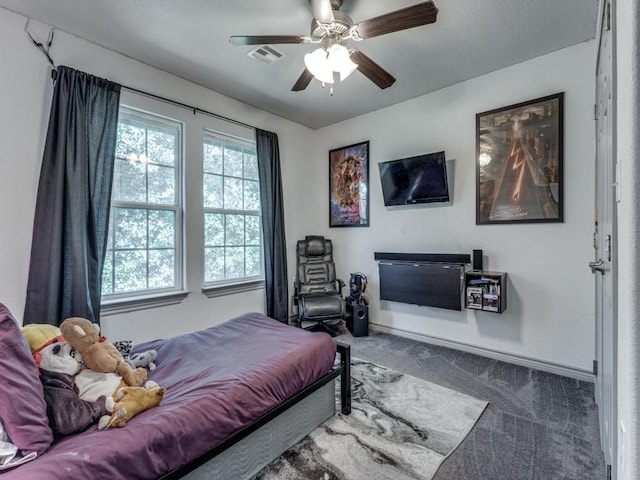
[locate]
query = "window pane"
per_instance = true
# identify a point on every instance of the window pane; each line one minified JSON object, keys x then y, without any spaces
{"x":234,"y":230}
{"x":232,"y":161}
{"x":161,"y":185}
{"x":131,"y":137}
{"x":251,"y":195}
{"x":161,"y":147}
{"x":129,"y":181}
{"x":107,"y":273}
{"x":252,"y":230}
{"x":212,"y":160}
{"x":161,"y":268}
{"x":213,"y":264}
{"x":233,"y":193}
{"x":130,"y":228}
{"x":250,"y":166}
{"x":234,"y":262}
{"x":253,"y":261}
{"x":213,"y":229}
{"x":110,"y":231}
{"x":130,"y":271}
{"x":162,"y":229}
{"x":143,"y":239}
{"x":212,"y":189}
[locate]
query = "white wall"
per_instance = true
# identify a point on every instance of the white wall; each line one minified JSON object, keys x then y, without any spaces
{"x":628,"y":152}
{"x":550,"y":314}
{"x":25,"y":96}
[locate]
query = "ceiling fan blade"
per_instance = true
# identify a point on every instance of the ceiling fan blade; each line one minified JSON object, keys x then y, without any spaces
{"x":303,"y":81}
{"x":409,"y":17}
{"x":322,"y":10}
{"x":372,"y":70}
{"x":240,"y":40}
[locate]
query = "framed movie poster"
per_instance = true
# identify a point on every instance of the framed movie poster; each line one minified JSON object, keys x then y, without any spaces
{"x":519,"y":162}
{"x":349,"y":186}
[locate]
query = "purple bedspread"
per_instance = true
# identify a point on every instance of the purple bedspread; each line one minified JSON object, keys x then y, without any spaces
{"x":218,"y":380}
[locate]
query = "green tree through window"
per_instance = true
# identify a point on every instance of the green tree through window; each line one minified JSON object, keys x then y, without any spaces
{"x":231,"y":202}
{"x":144,"y":248}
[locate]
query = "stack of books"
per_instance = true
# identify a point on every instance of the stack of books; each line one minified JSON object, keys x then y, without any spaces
{"x":483,"y":294}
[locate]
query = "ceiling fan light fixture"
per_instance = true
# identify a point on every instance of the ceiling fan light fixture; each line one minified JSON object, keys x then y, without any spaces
{"x":318,"y":64}
{"x":340,"y":61}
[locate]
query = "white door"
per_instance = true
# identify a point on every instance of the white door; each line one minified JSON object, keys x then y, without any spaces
{"x":604,"y":266}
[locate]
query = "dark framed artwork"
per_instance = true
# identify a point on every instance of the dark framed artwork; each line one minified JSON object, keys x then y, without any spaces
{"x":349,"y":186}
{"x":519,"y":162}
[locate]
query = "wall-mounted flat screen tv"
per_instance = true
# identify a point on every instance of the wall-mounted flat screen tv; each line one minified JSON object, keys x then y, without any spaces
{"x":419,"y":179}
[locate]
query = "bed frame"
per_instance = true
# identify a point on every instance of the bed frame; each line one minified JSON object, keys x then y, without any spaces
{"x":256,"y":445}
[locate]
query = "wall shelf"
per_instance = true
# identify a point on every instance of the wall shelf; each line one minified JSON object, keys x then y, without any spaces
{"x":485,"y":290}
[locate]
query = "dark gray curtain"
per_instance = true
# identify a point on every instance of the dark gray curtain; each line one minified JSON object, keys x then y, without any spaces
{"x":72,"y":208}
{"x":275,"y":244}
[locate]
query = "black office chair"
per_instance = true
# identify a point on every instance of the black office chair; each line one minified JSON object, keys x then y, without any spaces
{"x":318,"y":293}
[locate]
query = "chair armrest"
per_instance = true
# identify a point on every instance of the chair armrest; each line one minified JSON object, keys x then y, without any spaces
{"x":341,"y":284}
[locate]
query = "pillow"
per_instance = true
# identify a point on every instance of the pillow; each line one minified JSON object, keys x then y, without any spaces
{"x":22,"y":407}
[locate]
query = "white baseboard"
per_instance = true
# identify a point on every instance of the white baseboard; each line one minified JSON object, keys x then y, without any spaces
{"x":563,"y":370}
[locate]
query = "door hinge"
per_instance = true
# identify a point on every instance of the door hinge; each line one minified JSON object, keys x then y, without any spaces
{"x":595,"y":368}
{"x":608,"y":20}
{"x":608,"y":242}
{"x":595,"y":111}
{"x":608,"y":472}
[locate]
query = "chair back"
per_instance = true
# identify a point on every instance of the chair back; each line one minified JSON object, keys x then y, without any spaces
{"x":316,"y":272}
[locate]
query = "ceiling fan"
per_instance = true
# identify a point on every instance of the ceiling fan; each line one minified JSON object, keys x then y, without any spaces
{"x":332,"y":29}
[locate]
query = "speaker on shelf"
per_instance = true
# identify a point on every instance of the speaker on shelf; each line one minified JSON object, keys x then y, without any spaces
{"x":357,"y":319}
{"x":477,"y":260}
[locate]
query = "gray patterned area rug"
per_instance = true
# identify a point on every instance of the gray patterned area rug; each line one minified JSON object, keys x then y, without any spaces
{"x":401,"y":427}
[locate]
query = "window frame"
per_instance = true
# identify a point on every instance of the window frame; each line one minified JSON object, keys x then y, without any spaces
{"x":114,"y":303}
{"x":214,"y":288}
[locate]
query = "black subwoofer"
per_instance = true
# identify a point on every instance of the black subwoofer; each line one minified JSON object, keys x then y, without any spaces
{"x":357,"y":319}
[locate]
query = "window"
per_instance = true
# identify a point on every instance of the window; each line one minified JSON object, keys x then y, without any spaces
{"x":231,"y":202}
{"x":144,"y":251}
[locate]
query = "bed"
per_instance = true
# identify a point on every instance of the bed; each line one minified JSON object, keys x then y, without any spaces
{"x":237,"y":395}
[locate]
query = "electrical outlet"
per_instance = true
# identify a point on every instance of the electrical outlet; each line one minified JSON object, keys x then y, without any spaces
{"x":622,"y":450}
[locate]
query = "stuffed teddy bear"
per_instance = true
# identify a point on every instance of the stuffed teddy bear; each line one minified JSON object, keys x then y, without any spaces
{"x":130,"y":401}
{"x":97,"y":353}
{"x":143,"y":360}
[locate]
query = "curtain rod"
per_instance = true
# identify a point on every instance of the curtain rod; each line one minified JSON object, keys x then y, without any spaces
{"x":189,"y":107}
{"x":45,"y":50}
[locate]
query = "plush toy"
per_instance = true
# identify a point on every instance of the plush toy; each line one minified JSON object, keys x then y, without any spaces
{"x":97,"y":353}
{"x":66,"y":411}
{"x":78,"y":397}
{"x":38,"y":335}
{"x":124,"y":347}
{"x":57,"y":357}
{"x":143,"y":360}
{"x":130,"y":401}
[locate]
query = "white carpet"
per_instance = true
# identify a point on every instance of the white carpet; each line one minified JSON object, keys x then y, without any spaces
{"x":401,"y":427}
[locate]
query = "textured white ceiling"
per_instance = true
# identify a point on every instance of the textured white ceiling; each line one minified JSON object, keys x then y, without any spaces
{"x":190,"y":39}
